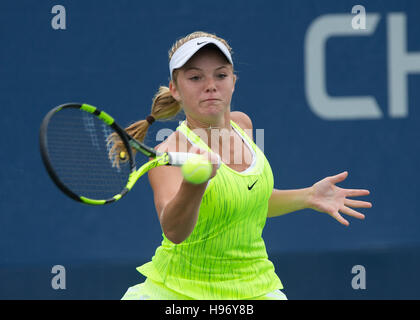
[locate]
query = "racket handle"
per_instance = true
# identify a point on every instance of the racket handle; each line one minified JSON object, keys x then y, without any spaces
{"x":179,"y":158}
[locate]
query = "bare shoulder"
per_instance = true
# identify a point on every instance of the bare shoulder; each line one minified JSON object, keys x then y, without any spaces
{"x":244,"y":121}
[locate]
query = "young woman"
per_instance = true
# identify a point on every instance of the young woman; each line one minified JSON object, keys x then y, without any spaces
{"x":212,"y":246}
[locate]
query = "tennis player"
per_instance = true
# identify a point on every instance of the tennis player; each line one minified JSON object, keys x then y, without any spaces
{"x":212,"y":246}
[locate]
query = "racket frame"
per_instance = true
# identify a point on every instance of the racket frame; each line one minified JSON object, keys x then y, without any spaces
{"x":128,"y":141}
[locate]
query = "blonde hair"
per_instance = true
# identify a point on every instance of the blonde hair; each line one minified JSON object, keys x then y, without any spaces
{"x":164,"y":105}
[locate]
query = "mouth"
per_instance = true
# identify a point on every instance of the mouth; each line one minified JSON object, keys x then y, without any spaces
{"x":211,"y":99}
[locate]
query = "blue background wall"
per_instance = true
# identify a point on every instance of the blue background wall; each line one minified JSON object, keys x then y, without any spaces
{"x":113,"y":54}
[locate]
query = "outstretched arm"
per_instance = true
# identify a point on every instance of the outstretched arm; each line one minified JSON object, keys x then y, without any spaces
{"x":323,"y":196}
{"x":286,"y":201}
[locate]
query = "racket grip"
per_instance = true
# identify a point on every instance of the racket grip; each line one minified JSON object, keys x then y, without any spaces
{"x":179,"y":158}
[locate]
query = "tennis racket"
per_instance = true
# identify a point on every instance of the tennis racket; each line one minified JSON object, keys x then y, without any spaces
{"x":77,"y":143}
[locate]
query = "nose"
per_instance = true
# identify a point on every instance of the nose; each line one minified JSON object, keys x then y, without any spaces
{"x":210,"y":85}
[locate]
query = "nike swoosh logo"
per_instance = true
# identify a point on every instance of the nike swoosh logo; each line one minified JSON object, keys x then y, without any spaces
{"x":250,"y":187}
{"x":200,"y":43}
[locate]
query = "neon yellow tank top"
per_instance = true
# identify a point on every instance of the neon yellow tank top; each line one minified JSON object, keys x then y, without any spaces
{"x":225,"y":256}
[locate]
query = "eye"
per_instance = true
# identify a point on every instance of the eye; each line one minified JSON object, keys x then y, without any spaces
{"x":222,"y":75}
{"x":195,"y":78}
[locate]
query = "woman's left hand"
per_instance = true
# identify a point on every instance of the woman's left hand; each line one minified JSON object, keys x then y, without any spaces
{"x":326,"y":197}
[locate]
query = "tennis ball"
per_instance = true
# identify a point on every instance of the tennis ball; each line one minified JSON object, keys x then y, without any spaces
{"x":122,"y":155}
{"x":196,"y":169}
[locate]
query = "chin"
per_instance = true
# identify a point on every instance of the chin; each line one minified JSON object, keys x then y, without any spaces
{"x":214,"y":108}
{"x":214,"y":114}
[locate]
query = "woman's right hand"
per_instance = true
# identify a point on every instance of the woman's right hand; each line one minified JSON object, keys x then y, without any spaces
{"x":212,"y":157}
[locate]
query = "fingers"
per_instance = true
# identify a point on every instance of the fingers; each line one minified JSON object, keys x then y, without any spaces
{"x":350,"y":212}
{"x":357,"y":203}
{"x":340,"y":219}
{"x":349,"y":192}
{"x":339,"y":177}
{"x":353,"y":213}
{"x":196,"y":150}
{"x":357,"y":192}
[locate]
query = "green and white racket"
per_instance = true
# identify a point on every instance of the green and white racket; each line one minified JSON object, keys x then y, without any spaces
{"x":77,"y":152}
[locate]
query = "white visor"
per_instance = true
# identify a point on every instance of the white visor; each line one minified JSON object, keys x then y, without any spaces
{"x":188,"y":49}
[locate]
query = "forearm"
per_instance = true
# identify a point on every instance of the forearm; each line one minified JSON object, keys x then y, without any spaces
{"x":179,"y":217}
{"x":285,"y":201}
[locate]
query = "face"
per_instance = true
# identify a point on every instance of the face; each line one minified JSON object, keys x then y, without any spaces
{"x":204,"y":85}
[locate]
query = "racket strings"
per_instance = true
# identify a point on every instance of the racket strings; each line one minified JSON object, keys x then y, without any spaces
{"x":81,"y":153}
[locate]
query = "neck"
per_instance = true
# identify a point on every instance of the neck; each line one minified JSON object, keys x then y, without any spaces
{"x":222,"y":123}
{"x":211,"y":133}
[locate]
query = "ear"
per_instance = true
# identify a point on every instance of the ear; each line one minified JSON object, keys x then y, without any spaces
{"x":174,"y":91}
{"x":234,"y":82}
